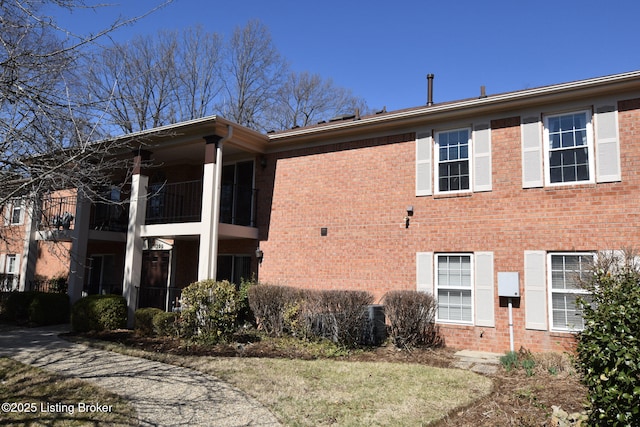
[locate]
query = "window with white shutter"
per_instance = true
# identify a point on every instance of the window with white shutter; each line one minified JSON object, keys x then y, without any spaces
{"x":566,"y":270}
{"x":454,"y":288}
{"x":423,"y":164}
{"x":607,"y":144}
{"x":535,"y":290}
{"x":482,"y":170}
{"x":453,"y":161}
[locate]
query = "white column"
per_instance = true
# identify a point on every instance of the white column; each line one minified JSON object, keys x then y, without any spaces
{"x":30,"y":249}
{"x":78,"y":253}
{"x":210,"y":215}
{"x":133,"y":251}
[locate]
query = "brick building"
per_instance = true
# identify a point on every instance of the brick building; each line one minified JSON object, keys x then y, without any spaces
{"x":484,"y":201}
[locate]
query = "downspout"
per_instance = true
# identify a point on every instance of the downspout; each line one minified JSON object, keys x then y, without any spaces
{"x":216,"y":203}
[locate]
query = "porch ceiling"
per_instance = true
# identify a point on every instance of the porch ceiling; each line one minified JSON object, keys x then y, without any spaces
{"x":184,"y":142}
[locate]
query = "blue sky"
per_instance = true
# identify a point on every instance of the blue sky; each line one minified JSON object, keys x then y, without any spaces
{"x":382,"y":50}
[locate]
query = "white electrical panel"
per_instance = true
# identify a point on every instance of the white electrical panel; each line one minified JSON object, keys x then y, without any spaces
{"x":509,"y":284}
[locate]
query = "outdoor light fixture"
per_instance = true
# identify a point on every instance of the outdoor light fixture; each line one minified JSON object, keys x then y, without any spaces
{"x":259,"y":255}
{"x":407,"y":218}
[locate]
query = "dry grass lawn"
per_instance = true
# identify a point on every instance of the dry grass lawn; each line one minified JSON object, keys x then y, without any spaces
{"x":326,"y":391}
{"x":32,"y":395}
{"x":329,"y":392}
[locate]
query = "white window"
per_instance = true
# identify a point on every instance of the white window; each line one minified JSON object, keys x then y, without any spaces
{"x":569,"y":148}
{"x":454,"y":287}
{"x":10,"y":276}
{"x":453,"y":165}
{"x":566,"y":270}
{"x":14,"y":213}
{"x":11,"y":267}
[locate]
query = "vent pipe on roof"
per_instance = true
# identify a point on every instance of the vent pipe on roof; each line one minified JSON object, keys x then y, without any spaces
{"x":429,"y":90}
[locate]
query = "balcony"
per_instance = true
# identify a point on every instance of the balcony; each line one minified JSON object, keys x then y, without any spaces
{"x":167,"y":203}
{"x":109,"y":217}
{"x":182,"y":202}
{"x":174,"y":202}
{"x":57,"y":213}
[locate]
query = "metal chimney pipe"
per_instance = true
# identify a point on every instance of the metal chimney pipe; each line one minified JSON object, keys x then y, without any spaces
{"x":429,"y":90}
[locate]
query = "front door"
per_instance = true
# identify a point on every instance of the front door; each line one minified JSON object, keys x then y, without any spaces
{"x":154,"y":279}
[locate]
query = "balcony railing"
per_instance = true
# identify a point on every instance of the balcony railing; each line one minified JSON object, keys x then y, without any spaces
{"x":166,"y":203}
{"x":182,"y":202}
{"x":174,"y":202}
{"x":57,"y":213}
{"x":9,"y":282}
{"x":109,"y":217}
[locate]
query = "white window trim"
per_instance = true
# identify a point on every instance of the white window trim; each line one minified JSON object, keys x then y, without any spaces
{"x":436,"y":162}
{"x":471,"y":256}
{"x":11,"y":276}
{"x":8,"y":263}
{"x":590,"y":149}
{"x":550,"y":292}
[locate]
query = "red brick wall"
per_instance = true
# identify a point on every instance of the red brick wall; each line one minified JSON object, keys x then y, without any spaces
{"x":359,"y":191}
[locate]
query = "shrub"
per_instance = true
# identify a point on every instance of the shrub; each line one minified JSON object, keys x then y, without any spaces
{"x":608,"y":351}
{"x":165,"y":324}
{"x":17,"y":306}
{"x":144,"y":320}
{"x":38,"y":308}
{"x":4,"y":297}
{"x":58,"y":284}
{"x":211,"y":310}
{"x":269,"y":303}
{"x":245,"y":315}
{"x":99,"y":313}
{"x":411,"y":316}
{"x":340,"y":316}
{"x":49,"y":309}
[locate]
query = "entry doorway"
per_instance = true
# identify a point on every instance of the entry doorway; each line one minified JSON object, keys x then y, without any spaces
{"x":154,"y":279}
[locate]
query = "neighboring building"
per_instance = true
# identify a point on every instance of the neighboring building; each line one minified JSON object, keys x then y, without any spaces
{"x":444,"y":198}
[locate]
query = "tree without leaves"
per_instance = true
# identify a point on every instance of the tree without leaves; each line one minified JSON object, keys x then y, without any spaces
{"x":173,"y":77}
{"x":46,"y":127}
{"x":157,"y":80}
{"x":199,"y":73}
{"x":254,"y":72}
{"x":134,"y":82}
{"x":306,"y":99}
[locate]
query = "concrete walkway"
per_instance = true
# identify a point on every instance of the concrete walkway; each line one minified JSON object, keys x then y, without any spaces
{"x":162,"y":394}
{"x":478,"y":361}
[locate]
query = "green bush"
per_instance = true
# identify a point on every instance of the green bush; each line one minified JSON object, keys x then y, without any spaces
{"x":4,"y":297}
{"x":608,"y":351}
{"x":211,"y":310}
{"x":37,"y":308}
{"x":143,"y":322}
{"x":17,"y":306}
{"x":49,"y":308}
{"x":411,"y":316}
{"x":165,"y":324}
{"x":99,"y":313}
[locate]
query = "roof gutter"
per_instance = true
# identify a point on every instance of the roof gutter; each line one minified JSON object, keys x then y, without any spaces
{"x":617,"y":82}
